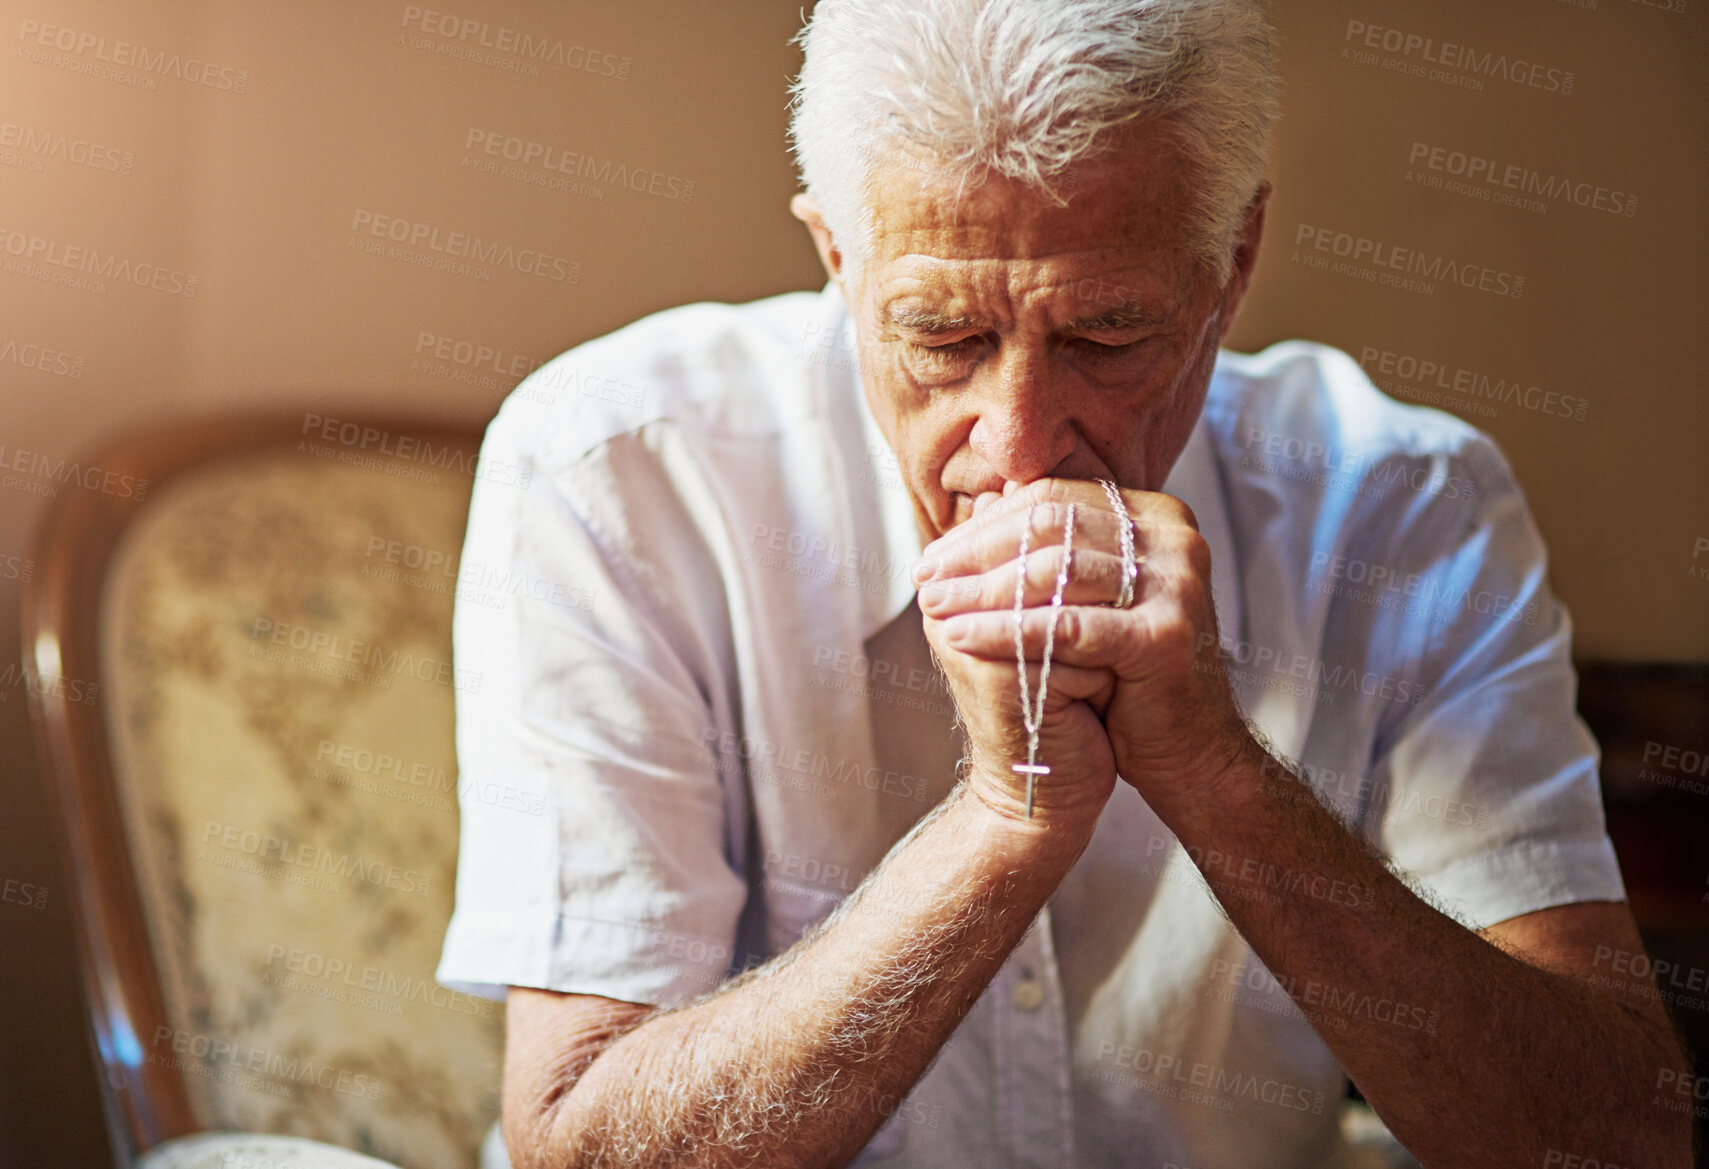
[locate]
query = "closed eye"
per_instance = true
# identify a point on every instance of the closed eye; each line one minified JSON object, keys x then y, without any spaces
{"x":1106,"y":349}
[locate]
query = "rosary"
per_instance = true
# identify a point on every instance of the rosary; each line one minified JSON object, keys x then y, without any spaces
{"x":1033,"y":717}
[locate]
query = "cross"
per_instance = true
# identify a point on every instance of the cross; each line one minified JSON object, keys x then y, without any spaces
{"x":1031,"y":770}
{"x":1031,"y":718}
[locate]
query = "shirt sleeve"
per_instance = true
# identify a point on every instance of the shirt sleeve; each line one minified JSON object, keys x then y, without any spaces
{"x":610,"y":874}
{"x":1489,"y":802}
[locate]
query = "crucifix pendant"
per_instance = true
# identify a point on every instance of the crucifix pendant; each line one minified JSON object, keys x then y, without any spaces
{"x":1032,"y":771}
{"x":1032,"y":718}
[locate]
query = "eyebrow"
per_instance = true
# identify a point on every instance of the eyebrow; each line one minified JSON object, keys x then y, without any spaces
{"x":1127,"y":316}
{"x":933,"y":323}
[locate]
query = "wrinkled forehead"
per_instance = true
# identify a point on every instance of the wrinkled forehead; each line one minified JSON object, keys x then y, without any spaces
{"x":1117,"y":226}
{"x":1133,"y":202}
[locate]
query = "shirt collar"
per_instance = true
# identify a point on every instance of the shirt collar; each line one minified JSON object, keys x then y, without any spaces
{"x":889,"y":515}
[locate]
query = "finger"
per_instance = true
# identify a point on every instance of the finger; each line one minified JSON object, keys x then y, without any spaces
{"x":1085,"y":636}
{"x":1167,"y":557}
{"x":1158,"y":636}
{"x":1093,"y":578}
{"x":993,"y":537}
{"x":1071,"y":684}
{"x":1089,"y":494}
{"x":1015,"y":501}
{"x":996,"y":688}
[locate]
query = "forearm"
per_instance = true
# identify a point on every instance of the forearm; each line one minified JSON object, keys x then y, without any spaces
{"x":1479,"y":1058}
{"x":798,"y":1062}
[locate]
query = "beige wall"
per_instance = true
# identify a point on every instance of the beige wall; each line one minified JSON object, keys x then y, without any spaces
{"x":349,"y":111}
{"x":1612,"y":304}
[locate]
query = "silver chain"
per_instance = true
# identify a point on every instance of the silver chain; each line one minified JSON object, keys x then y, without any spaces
{"x":1030,"y":718}
{"x":1130,"y":562}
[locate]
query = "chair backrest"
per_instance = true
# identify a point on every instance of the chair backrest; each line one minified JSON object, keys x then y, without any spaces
{"x":244,"y":691}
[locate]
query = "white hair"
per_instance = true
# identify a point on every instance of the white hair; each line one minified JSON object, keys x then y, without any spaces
{"x":1025,"y":89}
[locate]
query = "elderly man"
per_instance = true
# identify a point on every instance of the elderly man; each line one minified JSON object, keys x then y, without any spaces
{"x":1005,"y":729}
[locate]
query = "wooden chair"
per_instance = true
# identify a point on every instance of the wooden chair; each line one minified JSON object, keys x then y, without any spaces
{"x":238,"y":642}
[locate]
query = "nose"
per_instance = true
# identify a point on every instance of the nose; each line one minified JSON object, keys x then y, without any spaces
{"x":1024,"y":429}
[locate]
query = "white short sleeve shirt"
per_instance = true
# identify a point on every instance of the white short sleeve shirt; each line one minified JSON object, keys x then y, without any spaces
{"x":708,"y":692}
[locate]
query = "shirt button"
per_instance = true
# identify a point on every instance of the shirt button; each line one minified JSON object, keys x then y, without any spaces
{"x":1028,"y":994}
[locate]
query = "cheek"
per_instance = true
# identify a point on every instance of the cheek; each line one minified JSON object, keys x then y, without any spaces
{"x":924,"y":443}
{"x":924,"y":437}
{"x":912,"y":418}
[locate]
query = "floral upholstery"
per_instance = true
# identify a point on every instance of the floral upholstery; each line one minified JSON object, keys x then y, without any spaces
{"x":228,"y":1150}
{"x":276,"y":652}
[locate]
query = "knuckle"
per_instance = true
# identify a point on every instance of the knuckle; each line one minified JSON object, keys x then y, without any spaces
{"x":1197,"y":551}
{"x":1185,"y":551}
{"x":1184,"y":514}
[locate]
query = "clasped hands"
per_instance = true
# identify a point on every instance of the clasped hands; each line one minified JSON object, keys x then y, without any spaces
{"x":1138,"y":692}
